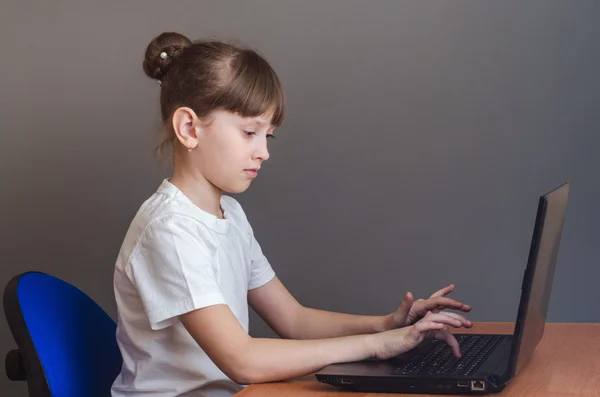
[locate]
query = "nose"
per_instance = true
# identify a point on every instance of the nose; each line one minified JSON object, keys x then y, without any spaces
{"x":261,"y":152}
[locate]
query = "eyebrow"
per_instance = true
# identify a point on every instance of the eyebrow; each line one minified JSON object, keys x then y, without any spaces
{"x":260,"y":121}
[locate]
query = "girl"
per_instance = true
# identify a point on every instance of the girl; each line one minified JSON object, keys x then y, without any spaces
{"x":190,"y":264}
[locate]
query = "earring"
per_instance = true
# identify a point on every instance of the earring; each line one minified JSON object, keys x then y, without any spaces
{"x":191,"y":148}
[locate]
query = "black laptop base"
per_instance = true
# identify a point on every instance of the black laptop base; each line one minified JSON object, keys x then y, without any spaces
{"x":413,"y":385}
{"x":419,"y":370}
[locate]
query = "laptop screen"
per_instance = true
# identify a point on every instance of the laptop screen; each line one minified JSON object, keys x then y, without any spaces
{"x":539,"y":275}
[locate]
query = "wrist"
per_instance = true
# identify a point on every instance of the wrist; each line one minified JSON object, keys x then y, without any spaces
{"x":372,"y":344}
{"x":385,"y":323}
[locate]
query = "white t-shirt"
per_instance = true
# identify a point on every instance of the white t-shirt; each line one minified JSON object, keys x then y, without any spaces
{"x":177,"y":258}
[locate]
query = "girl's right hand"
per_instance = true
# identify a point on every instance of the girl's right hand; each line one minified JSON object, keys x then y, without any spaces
{"x":389,"y":344}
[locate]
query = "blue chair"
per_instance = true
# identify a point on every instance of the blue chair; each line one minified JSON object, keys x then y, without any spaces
{"x":66,"y":342}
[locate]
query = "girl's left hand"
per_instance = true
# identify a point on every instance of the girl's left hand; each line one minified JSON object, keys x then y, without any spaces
{"x":411,"y":311}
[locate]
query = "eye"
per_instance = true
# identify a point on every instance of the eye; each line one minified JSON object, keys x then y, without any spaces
{"x":270,"y":136}
{"x":249,"y":133}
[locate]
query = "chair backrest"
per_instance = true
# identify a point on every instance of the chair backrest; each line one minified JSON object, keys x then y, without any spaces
{"x":67,"y":342}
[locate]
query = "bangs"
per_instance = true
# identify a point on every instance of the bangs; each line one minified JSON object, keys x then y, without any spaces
{"x":254,"y":90}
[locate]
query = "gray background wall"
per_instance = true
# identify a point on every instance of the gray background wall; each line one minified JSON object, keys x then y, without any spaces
{"x":419,"y":136}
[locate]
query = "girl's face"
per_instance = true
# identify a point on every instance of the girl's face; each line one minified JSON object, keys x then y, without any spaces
{"x":231,"y":149}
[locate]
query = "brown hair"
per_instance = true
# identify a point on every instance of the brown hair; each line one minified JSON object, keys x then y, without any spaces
{"x":208,"y":75}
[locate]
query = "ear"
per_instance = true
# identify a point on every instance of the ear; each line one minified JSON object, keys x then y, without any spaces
{"x":185,"y":125}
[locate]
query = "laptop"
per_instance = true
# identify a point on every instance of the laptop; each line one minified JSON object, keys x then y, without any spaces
{"x":488,"y":361}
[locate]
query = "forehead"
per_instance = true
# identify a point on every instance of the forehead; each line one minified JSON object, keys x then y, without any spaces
{"x":263,"y":120}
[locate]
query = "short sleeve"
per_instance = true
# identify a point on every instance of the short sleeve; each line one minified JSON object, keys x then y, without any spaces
{"x":173,"y":271}
{"x":261,"y":271}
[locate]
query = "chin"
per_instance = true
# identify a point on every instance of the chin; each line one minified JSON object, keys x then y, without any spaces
{"x":235,"y":189}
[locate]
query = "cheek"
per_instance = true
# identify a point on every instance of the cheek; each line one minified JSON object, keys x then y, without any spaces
{"x":220,"y":145}
{"x":228,"y":156}
{"x":225,"y":158}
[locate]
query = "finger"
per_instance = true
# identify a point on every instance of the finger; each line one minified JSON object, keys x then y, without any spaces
{"x":433,"y":315}
{"x":438,"y":303}
{"x":443,"y":291}
{"x":400,"y":315}
{"x":406,"y":304}
{"x":445,"y":318}
{"x":452,"y":342}
{"x":425,"y":326}
{"x":463,"y":320}
{"x":409,"y":299}
{"x":449,"y":303}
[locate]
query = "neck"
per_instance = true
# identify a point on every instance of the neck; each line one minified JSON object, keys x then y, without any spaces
{"x":199,"y":190}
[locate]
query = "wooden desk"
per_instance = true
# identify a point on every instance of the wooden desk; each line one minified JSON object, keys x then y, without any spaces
{"x":566,"y":363}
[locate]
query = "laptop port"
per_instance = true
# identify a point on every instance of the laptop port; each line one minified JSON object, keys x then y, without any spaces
{"x":477,"y":385}
{"x":347,"y":381}
{"x":463,"y":383}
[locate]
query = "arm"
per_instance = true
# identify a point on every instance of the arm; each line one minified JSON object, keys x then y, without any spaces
{"x":290,"y":320}
{"x":248,"y":360}
{"x":318,"y":324}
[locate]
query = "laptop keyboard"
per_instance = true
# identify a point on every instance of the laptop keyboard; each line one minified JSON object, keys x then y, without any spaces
{"x":439,"y":359}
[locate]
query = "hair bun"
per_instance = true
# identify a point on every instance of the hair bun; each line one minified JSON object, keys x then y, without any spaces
{"x":161,"y":52}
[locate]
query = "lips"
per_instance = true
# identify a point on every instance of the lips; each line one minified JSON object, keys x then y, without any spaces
{"x":251,"y":172}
